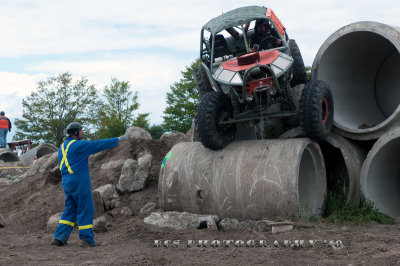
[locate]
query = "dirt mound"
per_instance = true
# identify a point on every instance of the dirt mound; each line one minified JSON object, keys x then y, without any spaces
{"x":30,"y":202}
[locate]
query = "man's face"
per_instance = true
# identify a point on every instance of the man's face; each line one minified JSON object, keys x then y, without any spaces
{"x":261,"y":28}
{"x":80,"y":134}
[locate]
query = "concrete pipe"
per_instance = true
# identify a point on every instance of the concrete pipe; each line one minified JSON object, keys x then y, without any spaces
{"x":8,"y":156}
{"x":37,"y":152}
{"x":252,"y":179}
{"x":343,"y":161}
{"x":360,"y":62}
{"x":380,"y":174}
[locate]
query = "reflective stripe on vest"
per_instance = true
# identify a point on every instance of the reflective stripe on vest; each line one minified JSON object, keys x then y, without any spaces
{"x":67,"y":222}
{"x":64,"y":159}
{"x":85,"y":226}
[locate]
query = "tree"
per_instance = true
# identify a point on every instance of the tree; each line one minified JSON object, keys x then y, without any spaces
{"x":308,"y":71}
{"x":156,"y":131}
{"x":117,"y":112}
{"x":182,"y":102}
{"x":56,"y":102}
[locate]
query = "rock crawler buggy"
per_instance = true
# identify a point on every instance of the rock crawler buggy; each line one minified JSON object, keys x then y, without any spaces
{"x":239,"y":82}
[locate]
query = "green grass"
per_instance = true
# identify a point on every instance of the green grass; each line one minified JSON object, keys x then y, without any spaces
{"x":338,"y":212}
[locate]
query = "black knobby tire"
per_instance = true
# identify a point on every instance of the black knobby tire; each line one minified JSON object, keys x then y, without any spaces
{"x":202,"y":81}
{"x":316,"y":110}
{"x":298,"y":68}
{"x":214,"y":107}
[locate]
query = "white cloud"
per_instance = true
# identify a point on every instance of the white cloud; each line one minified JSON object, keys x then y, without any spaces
{"x":150,"y":37}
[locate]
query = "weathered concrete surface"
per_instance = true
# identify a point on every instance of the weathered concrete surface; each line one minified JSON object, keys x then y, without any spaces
{"x":360,"y":62}
{"x":380,"y":174}
{"x":343,"y":161}
{"x":246,"y":180}
{"x":37,"y":152}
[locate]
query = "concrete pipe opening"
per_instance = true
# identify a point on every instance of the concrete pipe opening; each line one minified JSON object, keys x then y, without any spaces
{"x":360,"y":62}
{"x":380,"y":174}
{"x":245,"y":180}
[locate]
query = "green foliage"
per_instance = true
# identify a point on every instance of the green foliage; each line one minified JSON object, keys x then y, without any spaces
{"x":182,"y":102}
{"x":338,"y":212}
{"x":57,"y":102}
{"x":117,"y":112}
{"x":156,"y":131}
{"x":308,"y":71}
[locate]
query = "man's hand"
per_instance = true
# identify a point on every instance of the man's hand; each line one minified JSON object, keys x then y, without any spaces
{"x":125,"y":137}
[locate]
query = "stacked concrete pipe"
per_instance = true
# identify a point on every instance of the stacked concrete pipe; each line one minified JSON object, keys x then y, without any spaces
{"x":252,"y":179}
{"x":361,"y":63}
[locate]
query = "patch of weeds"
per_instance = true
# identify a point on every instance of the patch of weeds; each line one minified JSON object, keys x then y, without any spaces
{"x":337,"y":211}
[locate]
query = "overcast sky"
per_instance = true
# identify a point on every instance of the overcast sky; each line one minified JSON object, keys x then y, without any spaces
{"x":147,"y":43}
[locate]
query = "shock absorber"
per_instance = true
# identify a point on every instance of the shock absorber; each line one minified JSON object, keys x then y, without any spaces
{"x":235,"y":103}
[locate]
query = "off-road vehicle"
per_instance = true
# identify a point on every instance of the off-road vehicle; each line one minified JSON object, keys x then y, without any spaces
{"x":244,"y":82}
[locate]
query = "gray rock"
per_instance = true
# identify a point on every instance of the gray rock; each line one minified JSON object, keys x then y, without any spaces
{"x":53,"y":221}
{"x":100,"y":224}
{"x":112,"y":165}
{"x":172,"y":138}
{"x":137,"y":132}
{"x":211,"y":224}
{"x":247,"y":225}
{"x":2,"y":221}
{"x":148,"y":208}
{"x":125,"y":183}
{"x":98,"y":203}
{"x":107,"y":193}
{"x":134,"y":174}
{"x":280,"y":228}
{"x":178,"y":220}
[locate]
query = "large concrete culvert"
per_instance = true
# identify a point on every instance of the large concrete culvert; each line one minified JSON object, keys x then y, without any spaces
{"x":246,"y":180}
{"x":8,"y":156}
{"x":380,"y":174}
{"x":360,"y":62}
{"x":343,"y":161}
{"x":37,"y":152}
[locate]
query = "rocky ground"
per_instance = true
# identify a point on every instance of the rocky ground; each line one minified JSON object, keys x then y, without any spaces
{"x":27,"y":205}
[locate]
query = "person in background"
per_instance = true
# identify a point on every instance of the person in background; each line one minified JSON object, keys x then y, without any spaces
{"x":5,"y":127}
{"x":73,"y":162}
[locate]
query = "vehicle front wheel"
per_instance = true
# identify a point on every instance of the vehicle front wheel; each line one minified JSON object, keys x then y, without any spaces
{"x":316,"y":110}
{"x":214,"y":107}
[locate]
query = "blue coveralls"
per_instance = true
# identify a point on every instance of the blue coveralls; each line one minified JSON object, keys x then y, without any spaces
{"x":77,"y":186}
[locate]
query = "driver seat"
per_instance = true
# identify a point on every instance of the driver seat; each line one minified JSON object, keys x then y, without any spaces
{"x":221,"y":46}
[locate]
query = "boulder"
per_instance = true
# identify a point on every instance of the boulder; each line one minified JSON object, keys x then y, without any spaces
{"x":53,"y":221}
{"x":172,"y":138}
{"x":113,"y":165}
{"x":134,"y":174}
{"x":100,"y":224}
{"x":98,"y":203}
{"x":107,"y":193}
{"x":179,"y":220}
{"x":147,"y":208}
{"x":137,"y":132}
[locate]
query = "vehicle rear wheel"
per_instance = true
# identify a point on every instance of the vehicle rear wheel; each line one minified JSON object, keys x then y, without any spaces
{"x":299,"y":70}
{"x":214,"y":107}
{"x":203,"y":83}
{"x":316,"y":110}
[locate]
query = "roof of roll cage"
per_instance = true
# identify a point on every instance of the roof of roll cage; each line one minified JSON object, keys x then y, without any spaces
{"x":238,"y":16}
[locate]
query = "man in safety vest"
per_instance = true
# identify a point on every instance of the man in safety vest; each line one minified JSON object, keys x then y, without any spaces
{"x":73,"y":158}
{"x":5,"y":127}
